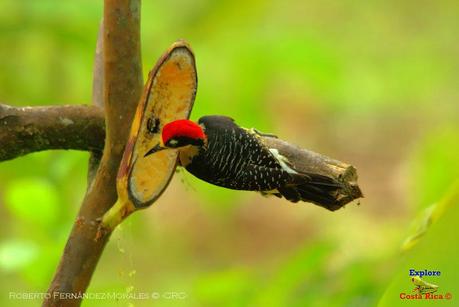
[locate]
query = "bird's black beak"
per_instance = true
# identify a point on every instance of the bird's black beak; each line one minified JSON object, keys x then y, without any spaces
{"x":155,"y":149}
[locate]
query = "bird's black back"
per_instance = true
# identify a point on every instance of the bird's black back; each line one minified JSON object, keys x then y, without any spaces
{"x":232,"y":156}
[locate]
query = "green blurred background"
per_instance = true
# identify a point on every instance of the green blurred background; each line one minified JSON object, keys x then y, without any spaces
{"x":372,"y":83}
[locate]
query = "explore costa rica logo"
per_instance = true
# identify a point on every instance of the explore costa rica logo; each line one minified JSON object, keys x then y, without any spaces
{"x":422,"y":286}
{"x":424,"y":289}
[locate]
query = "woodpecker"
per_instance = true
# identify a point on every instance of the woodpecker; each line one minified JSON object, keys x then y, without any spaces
{"x":217,"y":150}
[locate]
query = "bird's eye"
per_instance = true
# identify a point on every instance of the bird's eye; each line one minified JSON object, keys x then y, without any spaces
{"x":172,"y":142}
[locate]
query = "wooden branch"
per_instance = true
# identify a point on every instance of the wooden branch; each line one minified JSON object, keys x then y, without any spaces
{"x":306,"y":161}
{"x":98,"y":71}
{"x":122,"y":90}
{"x":29,"y":129}
{"x":97,"y":96}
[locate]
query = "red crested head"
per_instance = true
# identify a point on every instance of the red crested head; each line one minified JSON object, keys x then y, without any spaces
{"x":182,"y":132}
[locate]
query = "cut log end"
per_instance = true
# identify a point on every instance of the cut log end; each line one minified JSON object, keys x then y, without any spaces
{"x":305,"y":161}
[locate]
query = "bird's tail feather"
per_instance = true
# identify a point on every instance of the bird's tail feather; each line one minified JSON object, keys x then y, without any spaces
{"x":314,"y":188}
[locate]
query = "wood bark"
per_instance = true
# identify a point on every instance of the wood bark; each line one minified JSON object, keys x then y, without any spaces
{"x":29,"y":129}
{"x":122,"y":89}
